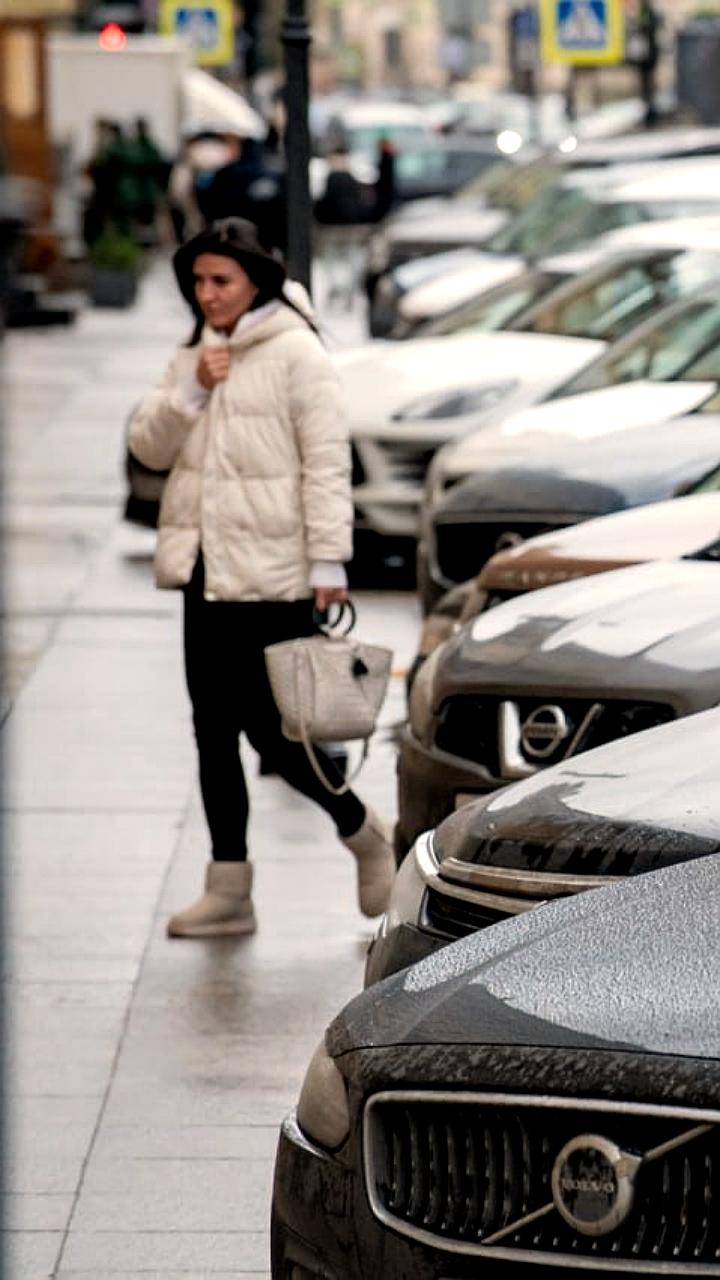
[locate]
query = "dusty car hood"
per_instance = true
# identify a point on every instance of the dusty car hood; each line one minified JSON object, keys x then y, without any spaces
{"x":383,"y":378}
{"x":652,"y":629}
{"x":590,"y":477}
{"x":659,"y":531}
{"x":646,"y":951}
{"x":409,"y":275}
{"x":626,"y":808}
{"x":584,"y":417}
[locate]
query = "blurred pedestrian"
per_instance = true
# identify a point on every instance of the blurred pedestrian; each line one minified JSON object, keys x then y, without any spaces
{"x":255,"y":527}
{"x":152,"y":173}
{"x":643,"y":51}
{"x":251,"y":186}
{"x":385,"y":183}
{"x":344,"y":209}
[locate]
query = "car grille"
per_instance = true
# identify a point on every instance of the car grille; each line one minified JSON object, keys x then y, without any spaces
{"x":462,"y":547}
{"x":473,"y":1173}
{"x":471,"y":727}
{"x":407,"y":464}
{"x":455,"y":918}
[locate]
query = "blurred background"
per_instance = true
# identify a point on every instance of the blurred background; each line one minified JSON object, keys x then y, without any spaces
{"x":115,"y":116}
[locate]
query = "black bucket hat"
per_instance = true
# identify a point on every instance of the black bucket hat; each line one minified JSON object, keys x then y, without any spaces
{"x":232,"y":238}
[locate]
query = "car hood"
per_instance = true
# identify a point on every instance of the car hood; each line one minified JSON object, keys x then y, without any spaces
{"x":453,"y":288}
{"x":626,"y":808}
{"x":455,"y":224}
{"x":651,"y":627}
{"x":586,"y":417}
{"x":635,"y":966}
{"x":383,"y":378}
{"x":659,"y":531}
{"x":410,"y":275}
{"x":590,"y":477}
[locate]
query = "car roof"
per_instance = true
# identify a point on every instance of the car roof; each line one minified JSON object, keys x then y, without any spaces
{"x":686,"y":179}
{"x":390,"y":113}
{"x":655,"y":143}
{"x":702,"y":232}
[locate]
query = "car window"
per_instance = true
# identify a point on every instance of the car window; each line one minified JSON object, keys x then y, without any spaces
{"x":684,"y":346}
{"x":365,"y":138}
{"x":550,"y":218}
{"x":420,"y":164}
{"x":608,"y":304}
{"x":494,"y":309}
{"x":510,"y":186}
{"x":710,"y":483}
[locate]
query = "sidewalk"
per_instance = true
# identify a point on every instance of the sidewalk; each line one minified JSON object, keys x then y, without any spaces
{"x":146,"y":1078}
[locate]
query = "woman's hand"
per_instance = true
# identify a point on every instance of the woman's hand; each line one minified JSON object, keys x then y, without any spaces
{"x":213,"y":366}
{"x":325,"y":596}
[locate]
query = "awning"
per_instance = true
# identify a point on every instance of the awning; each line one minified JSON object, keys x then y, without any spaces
{"x":210,"y":104}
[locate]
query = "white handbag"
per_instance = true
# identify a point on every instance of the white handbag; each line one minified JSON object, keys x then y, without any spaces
{"x":328,"y":687}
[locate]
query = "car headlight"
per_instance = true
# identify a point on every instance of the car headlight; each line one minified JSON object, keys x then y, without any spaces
{"x":322,"y":1111}
{"x":509,"y":142}
{"x":453,"y":404}
{"x":410,"y":884}
{"x":420,"y":706}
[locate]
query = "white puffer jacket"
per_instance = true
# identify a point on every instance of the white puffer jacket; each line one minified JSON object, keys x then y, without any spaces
{"x":260,"y":473}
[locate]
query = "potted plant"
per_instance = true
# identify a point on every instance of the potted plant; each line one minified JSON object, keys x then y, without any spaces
{"x":115,"y":260}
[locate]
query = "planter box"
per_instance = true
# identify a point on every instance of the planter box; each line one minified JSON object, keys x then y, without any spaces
{"x":110,"y":287}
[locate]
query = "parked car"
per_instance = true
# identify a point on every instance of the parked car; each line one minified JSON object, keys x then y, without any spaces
{"x":665,"y":368}
{"x":553,"y":673}
{"x":540,"y":1098}
{"x":570,"y":211}
{"x":406,"y":399}
{"x":660,"y":530}
{"x":442,"y":304}
{"x":620,"y":810}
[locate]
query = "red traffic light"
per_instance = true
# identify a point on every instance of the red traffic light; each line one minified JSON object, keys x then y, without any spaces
{"x":112,"y":37}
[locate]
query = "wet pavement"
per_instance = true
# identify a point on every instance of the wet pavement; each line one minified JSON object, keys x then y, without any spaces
{"x":145,"y":1079}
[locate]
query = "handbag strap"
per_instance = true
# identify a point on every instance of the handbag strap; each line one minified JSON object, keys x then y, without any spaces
{"x":310,"y":749}
{"x":327,"y":624}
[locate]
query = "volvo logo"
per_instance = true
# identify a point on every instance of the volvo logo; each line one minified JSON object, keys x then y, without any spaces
{"x":544,"y":730}
{"x":593,"y":1184}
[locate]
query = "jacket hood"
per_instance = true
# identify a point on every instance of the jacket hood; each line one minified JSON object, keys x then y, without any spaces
{"x":635,"y":966}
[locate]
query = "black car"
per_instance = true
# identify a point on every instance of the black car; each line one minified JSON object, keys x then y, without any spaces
{"x":566,"y":482}
{"x":553,"y":673}
{"x":539,"y":1099}
{"x":629,"y":807}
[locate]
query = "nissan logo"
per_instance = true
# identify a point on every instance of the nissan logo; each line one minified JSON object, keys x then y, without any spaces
{"x":509,"y":539}
{"x":543,"y":731}
{"x":593,"y":1184}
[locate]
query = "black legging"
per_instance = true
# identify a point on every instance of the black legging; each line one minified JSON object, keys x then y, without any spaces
{"x":230,"y":695}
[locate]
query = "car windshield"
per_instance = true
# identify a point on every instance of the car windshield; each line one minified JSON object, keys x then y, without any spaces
{"x":509,"y":186}
{"x":683,"y":347}
{"x":709,"y":484}
{"x":550,"y":219}
{"x":607,"y":303}
{"x":365,"y":139}
{"x":494,"y":308}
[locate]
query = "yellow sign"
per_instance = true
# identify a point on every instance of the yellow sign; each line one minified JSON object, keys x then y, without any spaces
{"x":583,"y":33}
{"x":207,"y":25}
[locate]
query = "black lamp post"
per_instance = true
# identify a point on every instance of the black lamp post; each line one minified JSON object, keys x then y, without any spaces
{"x":296,"y":41}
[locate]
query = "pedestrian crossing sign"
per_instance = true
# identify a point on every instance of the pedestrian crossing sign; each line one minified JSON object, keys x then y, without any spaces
{"x":207,"y":25}
{"x":582,"y":32}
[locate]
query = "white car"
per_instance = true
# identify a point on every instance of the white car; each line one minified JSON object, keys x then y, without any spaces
{"x":406,"y":399}
{"x":568,"y":214}
{"x":435,"y":304}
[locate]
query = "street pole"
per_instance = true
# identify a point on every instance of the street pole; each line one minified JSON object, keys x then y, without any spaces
{"x":296,"y":42}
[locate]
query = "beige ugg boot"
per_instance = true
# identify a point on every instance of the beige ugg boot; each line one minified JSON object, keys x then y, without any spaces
{"x":224,"y":908}
{"x":372,"y":849}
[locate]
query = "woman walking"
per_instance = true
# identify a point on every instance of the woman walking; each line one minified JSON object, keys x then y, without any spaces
{"x":255,"y":527}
